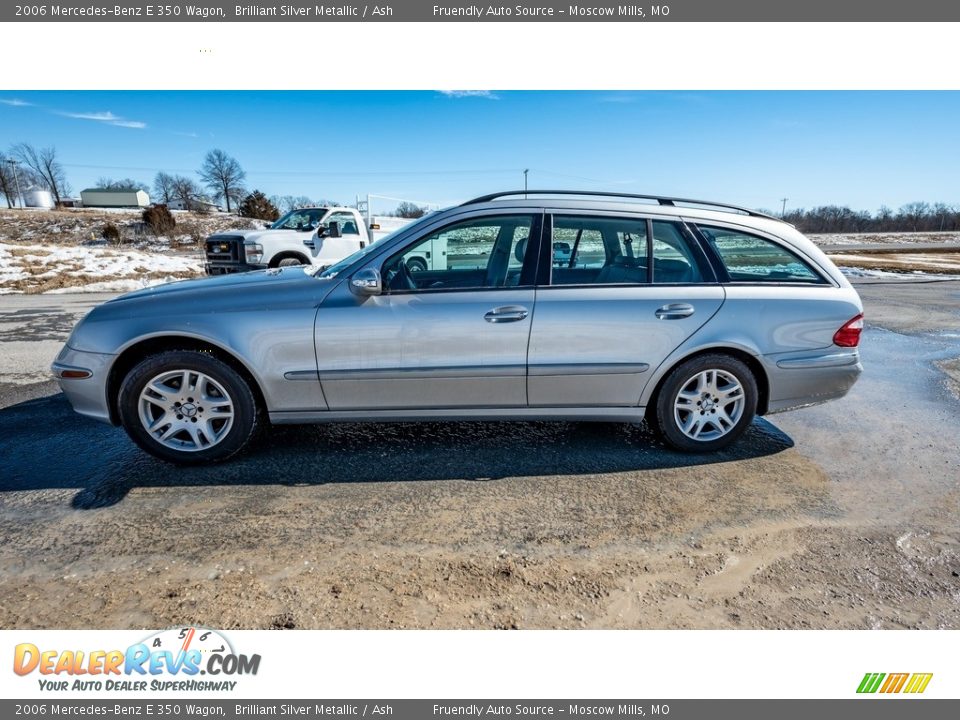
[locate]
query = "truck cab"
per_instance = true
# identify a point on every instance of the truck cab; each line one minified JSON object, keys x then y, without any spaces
{"x":305,"y":236}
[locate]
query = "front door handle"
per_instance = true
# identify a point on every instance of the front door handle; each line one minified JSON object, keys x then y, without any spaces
{"x":675,"y":311}
{"x":507,"y":313}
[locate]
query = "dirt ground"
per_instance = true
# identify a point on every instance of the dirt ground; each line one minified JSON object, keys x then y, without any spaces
{"x":838,"y":516}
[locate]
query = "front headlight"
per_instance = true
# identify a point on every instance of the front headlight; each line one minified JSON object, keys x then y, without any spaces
{"x":254,"y":253}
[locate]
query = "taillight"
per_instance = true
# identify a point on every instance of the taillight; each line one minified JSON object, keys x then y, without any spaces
{"x":849,"y":334}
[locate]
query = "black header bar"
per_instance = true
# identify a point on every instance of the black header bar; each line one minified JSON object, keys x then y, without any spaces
{"x":527,"y":11}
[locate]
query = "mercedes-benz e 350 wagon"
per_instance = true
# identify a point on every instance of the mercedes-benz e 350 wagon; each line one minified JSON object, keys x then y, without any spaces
{"x":694,"y":315}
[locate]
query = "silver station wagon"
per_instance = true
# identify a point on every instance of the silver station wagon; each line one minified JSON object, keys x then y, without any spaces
{"x":693,"y":315}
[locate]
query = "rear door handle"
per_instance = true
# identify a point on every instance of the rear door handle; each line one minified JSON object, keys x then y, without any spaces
{"x":507,"y":313}
{"x":675,"y":311}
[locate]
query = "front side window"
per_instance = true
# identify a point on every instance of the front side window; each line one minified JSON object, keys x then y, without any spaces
{"x":304,"y":219}
{"x":481,"y":253}
{"x":348,"y":222}
{"x":748,"y":258}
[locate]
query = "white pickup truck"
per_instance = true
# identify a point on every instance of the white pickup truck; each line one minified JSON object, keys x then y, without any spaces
{"x":306,"y":236}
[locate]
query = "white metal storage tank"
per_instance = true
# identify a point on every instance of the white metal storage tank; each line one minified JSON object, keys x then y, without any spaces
{"x":37,"y":198}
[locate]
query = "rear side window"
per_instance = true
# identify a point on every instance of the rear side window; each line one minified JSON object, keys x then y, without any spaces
{"x":749,"y":258}
{"x":673,"y":259}
{"x":618,"y":251}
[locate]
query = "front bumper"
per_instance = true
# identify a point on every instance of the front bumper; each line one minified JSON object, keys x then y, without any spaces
{"x":213,"y":268}
{"x":87,"y":395}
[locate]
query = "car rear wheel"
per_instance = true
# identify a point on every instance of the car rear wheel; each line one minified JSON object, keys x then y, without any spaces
{"x":187,"y":407}
{"x":706,"y":403}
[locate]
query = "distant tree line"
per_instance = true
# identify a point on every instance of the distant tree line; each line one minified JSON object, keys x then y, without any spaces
{"x":912,"y":217}
{"x":222,"y":177}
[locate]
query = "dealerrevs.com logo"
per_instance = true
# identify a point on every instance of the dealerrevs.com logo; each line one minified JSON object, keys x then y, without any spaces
{"x":180,"y":659}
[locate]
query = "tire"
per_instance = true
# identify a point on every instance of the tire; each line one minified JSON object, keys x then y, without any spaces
{"x":415,"y":265}
{"x":706,"y":403}
{"x":289,"y":262}
{"x":209,"y":421}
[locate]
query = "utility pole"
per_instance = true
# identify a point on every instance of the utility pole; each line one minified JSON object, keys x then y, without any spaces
{"x":783,"y":207}
{"x":526,"y":170}
{"x":16,"y":179}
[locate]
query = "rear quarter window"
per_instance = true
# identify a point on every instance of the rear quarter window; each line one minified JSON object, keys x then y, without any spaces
{"x":750,"y":258}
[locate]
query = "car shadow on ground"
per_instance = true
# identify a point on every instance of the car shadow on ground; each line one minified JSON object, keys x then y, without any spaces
{"x":45,"y":445}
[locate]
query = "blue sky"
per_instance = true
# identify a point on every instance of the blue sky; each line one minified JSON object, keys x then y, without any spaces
{"x":863,"y":149}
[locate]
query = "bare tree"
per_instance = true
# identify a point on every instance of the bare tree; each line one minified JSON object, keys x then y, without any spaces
{"x":410,"y":210}
{"x":8,"y":181}
{"x":163,"y":187}
{"x":286,"y":203}
{"x":185,"y":190}
{"x":45,"y":167}
{"x":224,"y":176}
{"x":914,"y":213}
{"x":124,"y":185}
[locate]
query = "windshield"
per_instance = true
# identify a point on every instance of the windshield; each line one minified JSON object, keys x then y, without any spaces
{"x":347,"y":262}
{"x":302,"y":219}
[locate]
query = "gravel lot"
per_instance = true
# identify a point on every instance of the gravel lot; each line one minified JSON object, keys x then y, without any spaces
{"x":838,"y":516}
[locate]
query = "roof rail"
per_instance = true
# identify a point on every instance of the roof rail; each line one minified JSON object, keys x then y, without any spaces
{"x":662,"y":200}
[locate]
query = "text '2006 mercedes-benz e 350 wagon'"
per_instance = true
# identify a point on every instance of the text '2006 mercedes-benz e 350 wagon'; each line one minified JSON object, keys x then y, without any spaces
{"x":694,"y":315}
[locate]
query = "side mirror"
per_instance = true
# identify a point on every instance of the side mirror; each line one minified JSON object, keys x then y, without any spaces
{"x":366,"y":282}
{"x":333,"y":229}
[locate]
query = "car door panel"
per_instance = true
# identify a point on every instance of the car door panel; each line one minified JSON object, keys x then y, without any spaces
{"x":434,"y":345}
{"x":424,"y":350}
{"x":597,"y":345}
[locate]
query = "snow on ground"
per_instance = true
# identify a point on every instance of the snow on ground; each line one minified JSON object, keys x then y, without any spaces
{"x":886,"y":238}
{"x":73,"y":268}
{"x":855,"y":273}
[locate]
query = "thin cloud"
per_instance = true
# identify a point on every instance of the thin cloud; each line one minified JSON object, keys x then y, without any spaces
{"x":486,"y":94}
{"x":186,"y":134}
{"x":15,"y":102}
{"x":98,"y":116}
{"x":106,"y":117}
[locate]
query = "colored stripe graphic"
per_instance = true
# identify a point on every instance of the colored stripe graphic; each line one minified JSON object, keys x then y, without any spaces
{"x":918,"y":683}
{"x":870,"y":682}
{"x":894,"y":683}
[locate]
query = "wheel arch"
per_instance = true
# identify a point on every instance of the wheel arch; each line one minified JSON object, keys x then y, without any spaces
{"x":138,"y":350}
{"x":275,"y":260}
{"x":747,"y":358}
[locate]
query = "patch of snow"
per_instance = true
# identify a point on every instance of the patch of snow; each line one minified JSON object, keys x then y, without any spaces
{"x":78,"y":264}
{"x":112,"y":286}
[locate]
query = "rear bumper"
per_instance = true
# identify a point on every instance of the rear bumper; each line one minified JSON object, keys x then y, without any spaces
{"x":87,"y":395}
{"x":809,"y":379}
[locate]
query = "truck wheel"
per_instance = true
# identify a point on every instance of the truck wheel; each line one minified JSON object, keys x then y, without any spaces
{"x":288,"y":261}
{"x":187,"y":407}
{"x":416,"y":265}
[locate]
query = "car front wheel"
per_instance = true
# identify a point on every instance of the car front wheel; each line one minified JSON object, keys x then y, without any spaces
{"x":706,"y":403}
{"x":187,"y":407}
